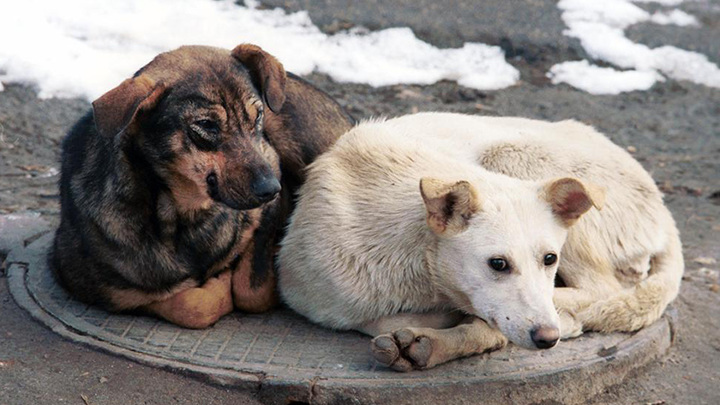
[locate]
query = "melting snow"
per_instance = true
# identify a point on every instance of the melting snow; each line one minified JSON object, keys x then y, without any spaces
{"x":85,"y":47}
{"x":602,"y":80}
{"x":600,"y":27}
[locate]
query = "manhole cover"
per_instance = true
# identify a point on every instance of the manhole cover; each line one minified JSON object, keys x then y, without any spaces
{"x":285,"y":358}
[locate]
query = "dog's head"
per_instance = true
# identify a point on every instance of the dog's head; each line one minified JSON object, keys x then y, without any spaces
{"x":193,"y":118}
{"x":499,"y":247}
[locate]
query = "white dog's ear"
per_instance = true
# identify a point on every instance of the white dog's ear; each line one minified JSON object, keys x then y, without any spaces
{"x":569,"y":198}
{"x":449,"y":205}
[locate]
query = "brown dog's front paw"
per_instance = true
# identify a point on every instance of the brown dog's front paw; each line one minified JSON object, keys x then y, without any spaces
{"x":221,"y":283}
{"x":403,"y":350}
{"x":220,"y":288}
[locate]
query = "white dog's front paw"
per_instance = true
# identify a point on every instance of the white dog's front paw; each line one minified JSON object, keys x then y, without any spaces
{"x":403,"y":350}
{"x":569,"y":326}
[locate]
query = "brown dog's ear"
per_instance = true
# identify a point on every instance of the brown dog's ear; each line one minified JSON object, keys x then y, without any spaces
{"x":266,"y":72}
{"x":569,"y":198}
{"x":117,"y":108}
{"x":449,"y":205}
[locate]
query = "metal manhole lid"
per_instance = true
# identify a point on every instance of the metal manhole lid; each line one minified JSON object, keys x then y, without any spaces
{"x":284,"y":357}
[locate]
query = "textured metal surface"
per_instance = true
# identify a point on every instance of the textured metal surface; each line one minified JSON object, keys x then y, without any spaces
{"x":287,"y":357}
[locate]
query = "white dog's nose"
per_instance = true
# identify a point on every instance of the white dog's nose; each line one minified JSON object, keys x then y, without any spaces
{"x":545,"y":337}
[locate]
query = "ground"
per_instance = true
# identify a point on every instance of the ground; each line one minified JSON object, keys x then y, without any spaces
{"x":672,"y":129}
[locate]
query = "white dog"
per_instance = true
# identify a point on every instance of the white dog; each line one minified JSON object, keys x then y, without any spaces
{"x":497,"y":213}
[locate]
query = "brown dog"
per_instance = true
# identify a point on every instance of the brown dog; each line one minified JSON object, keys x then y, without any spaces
{"x":170,"y":187}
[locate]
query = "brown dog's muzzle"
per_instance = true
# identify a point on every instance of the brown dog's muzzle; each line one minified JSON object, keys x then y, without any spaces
{"x":244,"y":183}
{"x":265,"y":187}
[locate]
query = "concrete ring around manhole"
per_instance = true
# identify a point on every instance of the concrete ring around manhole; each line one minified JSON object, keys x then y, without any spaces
{"x":284,"y":358}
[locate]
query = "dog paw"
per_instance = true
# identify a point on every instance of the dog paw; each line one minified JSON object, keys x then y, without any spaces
{"x":218,"y":288}
{"x":570,"y":327}
{"x":220,"y":282}
{"x":403,"y":350}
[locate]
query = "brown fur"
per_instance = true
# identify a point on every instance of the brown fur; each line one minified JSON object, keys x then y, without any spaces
{"x":130,"y":298}
{"x":248,"y":297}
{"x":570,"y":198}
{"x":197,"y":307}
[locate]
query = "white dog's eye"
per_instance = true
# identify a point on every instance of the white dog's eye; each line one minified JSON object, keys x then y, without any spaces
{"x":498,"y":264}
{"x":550,"y":259}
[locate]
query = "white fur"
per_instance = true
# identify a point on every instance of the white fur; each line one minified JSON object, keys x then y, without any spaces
{"x":358,"y":247}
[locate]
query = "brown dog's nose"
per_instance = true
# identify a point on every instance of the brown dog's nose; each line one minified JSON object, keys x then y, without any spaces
{"x":265,"y":188}
{"x":545,"y":337}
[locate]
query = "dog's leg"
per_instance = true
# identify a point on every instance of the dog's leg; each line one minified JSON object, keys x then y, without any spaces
{"x":639,"y":306}
{"x":602,"y":304}
{"x":254,"y":281}
{"x":570,"y":301}
{"x":419,"y":345}
{"x":197,"y":307}
{"x":434,"y":320}
{"x":587,"y":283}
{"x":249,"y":293}
{"x":570,"y":326}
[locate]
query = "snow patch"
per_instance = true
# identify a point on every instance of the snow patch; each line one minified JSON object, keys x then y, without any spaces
{"x":674,"y":17}
{"x":601,"y":80}
{"x":85,"y":47}
{"x":618,"y":14}
{"x":600,"y":27}
{"x":665,"y":3}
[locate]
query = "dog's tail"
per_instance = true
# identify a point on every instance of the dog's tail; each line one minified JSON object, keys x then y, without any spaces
{"x":637,"y":307}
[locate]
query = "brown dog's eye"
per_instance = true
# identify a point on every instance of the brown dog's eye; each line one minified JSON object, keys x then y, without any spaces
{"x":550,"y":259}
{"x":205,"y":134}
{"x":498,"y":264}
{"x":208,"y":126}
